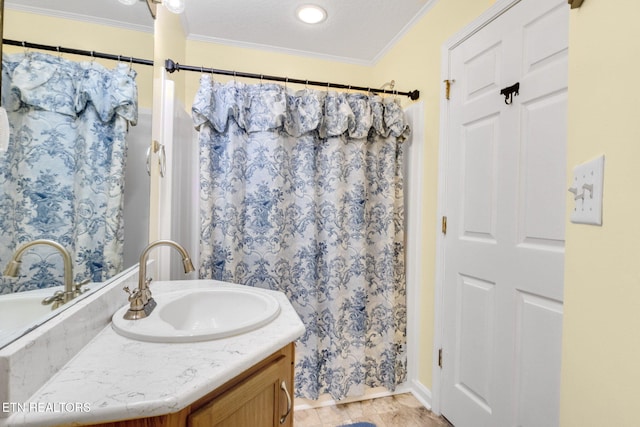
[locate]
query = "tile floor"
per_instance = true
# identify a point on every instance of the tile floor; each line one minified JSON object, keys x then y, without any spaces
{"x":402,"y":410}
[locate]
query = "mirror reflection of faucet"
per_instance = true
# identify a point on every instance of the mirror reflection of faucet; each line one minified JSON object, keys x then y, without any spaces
{"x":140,"y":299}
{"x":71,"y":289}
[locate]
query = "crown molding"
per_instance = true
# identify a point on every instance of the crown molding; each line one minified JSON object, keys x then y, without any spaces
{"x":418,"y":16}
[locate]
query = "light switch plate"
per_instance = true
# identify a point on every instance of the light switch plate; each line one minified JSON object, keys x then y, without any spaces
{"x":587,"y":189}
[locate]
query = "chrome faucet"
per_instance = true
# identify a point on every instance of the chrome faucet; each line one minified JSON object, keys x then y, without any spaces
{"x":140,"y":299}
{"x":71,"y":289}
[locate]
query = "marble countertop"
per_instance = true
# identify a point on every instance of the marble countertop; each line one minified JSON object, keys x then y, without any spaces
{"x":115,"y":378}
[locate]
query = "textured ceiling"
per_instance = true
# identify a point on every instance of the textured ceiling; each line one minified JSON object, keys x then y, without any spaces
{"x":357,"y":31}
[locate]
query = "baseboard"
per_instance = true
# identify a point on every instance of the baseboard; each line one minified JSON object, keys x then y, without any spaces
{"x":422,"y":393}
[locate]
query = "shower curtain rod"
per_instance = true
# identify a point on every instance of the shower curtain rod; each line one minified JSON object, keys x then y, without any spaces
{"x":172,"y":66}
{"x":90,"y":53}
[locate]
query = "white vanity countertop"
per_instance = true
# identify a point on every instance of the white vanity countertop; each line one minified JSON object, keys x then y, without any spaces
{"x":116,"y":378}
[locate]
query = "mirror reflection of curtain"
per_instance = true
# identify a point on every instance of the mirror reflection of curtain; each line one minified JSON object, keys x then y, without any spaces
{"x":303,"y":193}
{"x":62,"y":175}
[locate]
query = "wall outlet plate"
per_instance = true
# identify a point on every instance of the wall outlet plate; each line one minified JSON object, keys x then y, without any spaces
{"x":587,"y":189}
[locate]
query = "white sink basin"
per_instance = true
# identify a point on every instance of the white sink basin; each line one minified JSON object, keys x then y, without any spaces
{"x":200,"y":315}
{"x":20,"y":309}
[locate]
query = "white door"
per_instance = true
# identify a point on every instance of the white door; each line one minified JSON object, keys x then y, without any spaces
{"x":505,"y":206}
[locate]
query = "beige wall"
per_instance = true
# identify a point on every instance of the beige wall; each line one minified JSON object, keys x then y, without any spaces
{"x":601,"y":343}
{"x":86,"y":36}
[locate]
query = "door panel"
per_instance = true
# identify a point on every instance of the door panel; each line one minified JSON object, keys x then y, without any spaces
{"x":538,"y":350}
{"x":543,"y":149}
{"x":478,"y":205}
{"x":475,"y":335}
{"x":482,"y":73}
{"x":539,"y":49}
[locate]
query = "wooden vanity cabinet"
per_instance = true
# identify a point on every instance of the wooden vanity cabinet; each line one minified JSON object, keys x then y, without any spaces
{"x":262,"y":396}
{"x":262,"y":399}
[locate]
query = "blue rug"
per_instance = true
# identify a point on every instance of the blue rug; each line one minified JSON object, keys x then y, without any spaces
{"x":359,"y":425}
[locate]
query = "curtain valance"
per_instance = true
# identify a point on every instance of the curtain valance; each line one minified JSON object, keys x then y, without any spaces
{"x":268,"y":106}
{"x":61,"y":86}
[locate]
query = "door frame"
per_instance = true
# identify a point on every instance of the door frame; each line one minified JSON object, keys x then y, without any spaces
{"x":497,"y":9}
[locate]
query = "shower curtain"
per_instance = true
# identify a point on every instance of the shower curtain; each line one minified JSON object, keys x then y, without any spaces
{"x":301,"y":192}
{"x":62,"y":175}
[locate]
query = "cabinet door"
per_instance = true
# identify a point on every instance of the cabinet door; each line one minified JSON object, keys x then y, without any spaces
{"x":258,"y":401}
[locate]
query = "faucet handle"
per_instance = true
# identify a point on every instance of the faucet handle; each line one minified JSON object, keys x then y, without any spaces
{"x":57,"y":299}
{"x":76,"y":287}
{"x":128,"y":291}
{"x":132,"y":294}
{"x":135,"y":298}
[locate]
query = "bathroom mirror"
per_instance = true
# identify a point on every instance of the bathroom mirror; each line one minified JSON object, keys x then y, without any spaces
{"x":108,"y":27}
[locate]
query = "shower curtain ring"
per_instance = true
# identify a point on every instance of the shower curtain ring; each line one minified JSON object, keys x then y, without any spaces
{"x":59,"y":53}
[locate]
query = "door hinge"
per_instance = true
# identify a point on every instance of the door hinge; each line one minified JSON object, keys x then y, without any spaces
{"x":440,"y":358}
{"x":447,"y":88}
{"x":444,"y":225}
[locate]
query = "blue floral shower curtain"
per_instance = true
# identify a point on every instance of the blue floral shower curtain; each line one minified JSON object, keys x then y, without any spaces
{"x":62,"y":175}
{"x":302,"y":193}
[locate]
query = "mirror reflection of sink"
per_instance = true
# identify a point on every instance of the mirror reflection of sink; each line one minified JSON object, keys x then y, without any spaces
{"x":20,"y":309}
{"x":200,"y":315}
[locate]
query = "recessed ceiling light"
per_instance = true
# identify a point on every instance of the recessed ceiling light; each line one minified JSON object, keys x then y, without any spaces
{"x":311,"y":14}
{"x":128,"y":2}
{"x":174,"y":6}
